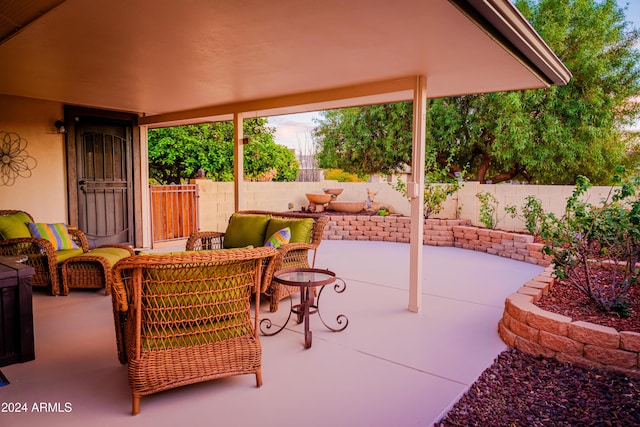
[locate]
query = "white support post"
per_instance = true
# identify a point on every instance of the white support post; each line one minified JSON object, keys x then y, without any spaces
{"x":416,"y":192}
{"x":147,"y":232}
{"x":238,"y":161}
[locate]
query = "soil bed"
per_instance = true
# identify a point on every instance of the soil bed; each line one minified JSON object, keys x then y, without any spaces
{"x":524,"y":390}
{"x":567,"y":300}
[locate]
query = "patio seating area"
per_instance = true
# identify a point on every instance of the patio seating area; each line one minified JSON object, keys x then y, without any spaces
{"x":388,"y":367}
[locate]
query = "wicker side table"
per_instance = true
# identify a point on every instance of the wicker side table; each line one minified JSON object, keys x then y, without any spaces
{"x":92,"y":270}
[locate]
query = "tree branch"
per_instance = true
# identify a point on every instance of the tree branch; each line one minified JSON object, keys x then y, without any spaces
{"x":508,"y":175}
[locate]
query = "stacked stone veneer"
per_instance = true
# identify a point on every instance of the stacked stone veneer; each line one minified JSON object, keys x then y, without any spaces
{"x":533,"y":330}
{"x":437,"y":232}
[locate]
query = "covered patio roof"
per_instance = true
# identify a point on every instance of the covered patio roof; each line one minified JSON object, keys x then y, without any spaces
{"x":201,"y":59}
{"x":209,"y":60}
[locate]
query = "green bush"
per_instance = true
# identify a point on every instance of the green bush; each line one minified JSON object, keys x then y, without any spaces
{"x":342,"y":176}
{"x":532,"y":215}
{"x":488,"y":209}
{"x":596,"y":248}
{"x":434,"y":195}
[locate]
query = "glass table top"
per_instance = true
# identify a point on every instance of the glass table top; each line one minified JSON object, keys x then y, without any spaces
{"x":305,"y":275}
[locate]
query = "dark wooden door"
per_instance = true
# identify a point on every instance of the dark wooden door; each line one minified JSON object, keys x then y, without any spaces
{"x":104,"y":180}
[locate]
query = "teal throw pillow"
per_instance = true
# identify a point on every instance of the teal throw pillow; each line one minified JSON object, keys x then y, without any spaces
{"x":245,"y":230}
{"x":279,"y":238}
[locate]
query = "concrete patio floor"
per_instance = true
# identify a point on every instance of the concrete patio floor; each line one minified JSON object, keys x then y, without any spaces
{"x":389,"y":367}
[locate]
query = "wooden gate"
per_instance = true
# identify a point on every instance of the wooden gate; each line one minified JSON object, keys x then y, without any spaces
{"x":174,"y":211}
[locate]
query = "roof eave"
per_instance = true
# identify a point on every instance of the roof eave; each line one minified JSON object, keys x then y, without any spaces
{"x":503,"y":22}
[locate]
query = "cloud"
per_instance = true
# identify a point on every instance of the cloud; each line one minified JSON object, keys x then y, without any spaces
{"x":294,"y":130}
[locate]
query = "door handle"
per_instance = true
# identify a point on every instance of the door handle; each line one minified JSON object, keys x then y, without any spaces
{"x":83,"y":185}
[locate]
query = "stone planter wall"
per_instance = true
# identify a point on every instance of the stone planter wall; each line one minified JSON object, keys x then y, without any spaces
{"x":524,"y":325}
{"x":533,"y":330}
{"x":437,"y":232}
{"x":503,"y":243}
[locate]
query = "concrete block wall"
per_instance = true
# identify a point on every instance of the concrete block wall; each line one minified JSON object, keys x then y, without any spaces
{"x":533,"y":330}
{"x":216,"y":202}
{"x":368,"y":227}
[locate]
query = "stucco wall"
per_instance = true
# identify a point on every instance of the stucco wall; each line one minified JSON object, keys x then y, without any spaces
{"x":216,"y":199}
{"x":43,"y":194}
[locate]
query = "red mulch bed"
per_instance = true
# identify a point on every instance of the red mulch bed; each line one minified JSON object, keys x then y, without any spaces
{"x":519,"y":389}
{"x":567,"y":300}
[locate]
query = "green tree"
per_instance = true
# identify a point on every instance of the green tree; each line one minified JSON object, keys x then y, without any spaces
{"x":372,"y":139}
{"x":549,"y":135}
{"x":176,"y":153}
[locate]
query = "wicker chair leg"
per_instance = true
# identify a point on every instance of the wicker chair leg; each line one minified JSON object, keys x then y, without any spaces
{"x":273,"y":306}
{"x":259,"y":378}
{"x":135,"y":408}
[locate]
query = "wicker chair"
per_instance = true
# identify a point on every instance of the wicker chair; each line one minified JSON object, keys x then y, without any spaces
{"x":291,"y":255}
{"x":40,"y":254}
{"x":186,"y":318}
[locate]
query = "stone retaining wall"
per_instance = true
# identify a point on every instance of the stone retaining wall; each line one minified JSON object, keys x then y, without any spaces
{"x":520,"y":247}
{"x":533,"y":330}
{"x":437,"y":232}
{"x":524,"y":325}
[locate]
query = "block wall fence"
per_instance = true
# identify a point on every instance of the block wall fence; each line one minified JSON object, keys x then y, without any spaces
{"x":216,"y":201}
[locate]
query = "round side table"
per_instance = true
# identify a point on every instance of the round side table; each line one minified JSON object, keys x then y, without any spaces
{"x":307,"y":279}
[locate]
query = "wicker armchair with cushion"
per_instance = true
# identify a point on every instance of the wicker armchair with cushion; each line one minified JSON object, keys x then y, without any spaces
{"x":258,"y":228}
{"x":18,"y":237}
{"x":186,"y":318}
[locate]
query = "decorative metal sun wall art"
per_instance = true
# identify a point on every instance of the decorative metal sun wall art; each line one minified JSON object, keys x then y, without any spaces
{"x":14,"y":160}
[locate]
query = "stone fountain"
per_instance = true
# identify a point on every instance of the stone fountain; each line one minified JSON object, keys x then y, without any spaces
{"x":342,"y":206}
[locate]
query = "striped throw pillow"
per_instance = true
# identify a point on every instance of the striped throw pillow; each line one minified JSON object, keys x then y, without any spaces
{"x":279,"y":238}
{"x":57,"y":234}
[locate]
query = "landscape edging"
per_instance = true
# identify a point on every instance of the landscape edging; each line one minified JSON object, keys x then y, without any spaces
{"x":535,"y":331}
{"x":523,"y":325}
{"x":437,"y":232}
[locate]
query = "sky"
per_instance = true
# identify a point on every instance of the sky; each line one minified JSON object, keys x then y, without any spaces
{"x":294,"y":130}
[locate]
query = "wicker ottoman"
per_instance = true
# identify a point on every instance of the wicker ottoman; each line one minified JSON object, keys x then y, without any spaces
{"x":92,"y":269}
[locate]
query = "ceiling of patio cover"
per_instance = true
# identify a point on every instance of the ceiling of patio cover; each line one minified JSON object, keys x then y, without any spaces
{"x":158,"y":58}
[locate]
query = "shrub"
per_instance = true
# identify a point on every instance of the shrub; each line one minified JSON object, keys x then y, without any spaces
{"x":434,"y":195}
{"x":342,"y":176}
{"x":532,"y":215}
{"x":596,"y":248}
{"x":488,"y":209}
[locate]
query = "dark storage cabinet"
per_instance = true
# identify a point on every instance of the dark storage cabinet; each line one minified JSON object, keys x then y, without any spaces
{"x":16,"y":313}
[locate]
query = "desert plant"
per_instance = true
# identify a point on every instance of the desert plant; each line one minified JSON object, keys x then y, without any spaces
{"x":531,"y":213}
{"x":434,"y":195}
{"x":488,"y":209}
{"x":596,"y":248}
